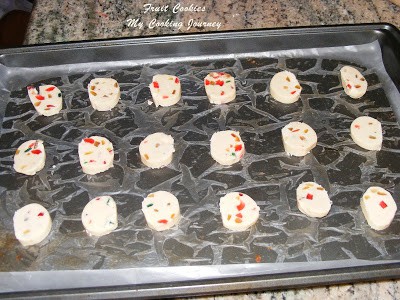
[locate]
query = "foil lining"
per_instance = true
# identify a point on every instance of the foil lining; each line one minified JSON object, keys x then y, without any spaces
{"x":282,"y":235}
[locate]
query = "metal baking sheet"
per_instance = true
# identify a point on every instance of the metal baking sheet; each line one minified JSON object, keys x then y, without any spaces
{"x":283,"y":243}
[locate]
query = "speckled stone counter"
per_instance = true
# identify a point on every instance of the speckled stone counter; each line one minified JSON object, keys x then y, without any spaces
{"x":62,"y":21}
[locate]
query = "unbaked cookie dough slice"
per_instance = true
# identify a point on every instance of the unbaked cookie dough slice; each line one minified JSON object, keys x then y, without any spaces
{"x":30,"y":157}
{"x":156,"y":150}
{"x":161,"y":210}
{"x":99,"y":217}
{"x":96,"y":154}
{"x":238,"y":211}
{"x":366,"y":132}
{"x":284,"y":87}
{"x":48,"y":101}
{"x":32,"y":224}
{"x":220,"y":87}
{"x":298,"y":138}
{"x":313,"y":200}
{"x":353,"y":82}
{"x":165,"y":90}
{"x":378,"y":207}
{"x":227,"y":147}
{"x":104,"y":93}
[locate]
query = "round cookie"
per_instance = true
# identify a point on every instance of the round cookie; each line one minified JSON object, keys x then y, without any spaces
{"x":313,"y":200}
{"x":220,"y":87}
{"x":378,"y":207}
{"x":156,"y":150}
{"x":165,"y":90}
{"x":227,"y":147}
{"x":161,"y":210}
{"x":96,"y":154}
{"x":30,"y":157}
{"x":48,"y":101}
{"x":104,"y":93}
{"x":238,"y":211}
{"x":32,"y":224}
{"x":285,"y":88}
{"x":99,"y":217}
{"x":353,"y":82}
{"x":298,"y":138}
{"x":366,"y":132}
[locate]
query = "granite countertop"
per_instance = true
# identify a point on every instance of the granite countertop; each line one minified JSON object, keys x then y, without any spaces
{"x":73,"y":20}
{"x":62,"y":20}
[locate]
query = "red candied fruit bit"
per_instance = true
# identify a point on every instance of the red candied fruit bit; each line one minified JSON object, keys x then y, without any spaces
{"x":37,"y":151}
{"x":156,"y":85}
{"x":240,"y":194}
{"x":238,"y":147}
{"x":50,"y":89}
{"x":39,"y":97}
{"x":165,"y":97}
{"x":176,"y":80}
{"x":31,"y":145}
{"x":357,"y":126}
{"x":41,"y":214}
{"x":221,"y":73}
{"x":220,"y":82}
{"x":239,"y":215}
{"x":98,"y":198}
{"x":89,"y":140}
{"x":309,"y":196}
{"x":92,"y":161}
{"x":163,"y":221}
{"x":222,"y":93}
{"x":383,"y":204}
{"x":207,"y":82}
{"x":104,"y":162}
{"x":295,"y":130}
{"x":293,"y":92}
{"x":241,"y":205}
{"x":50,"y":105}
{"x":349,"y":86}
{"x":30,"y":87}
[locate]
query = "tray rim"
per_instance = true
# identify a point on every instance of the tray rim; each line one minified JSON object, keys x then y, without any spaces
{"x":123,"y":41}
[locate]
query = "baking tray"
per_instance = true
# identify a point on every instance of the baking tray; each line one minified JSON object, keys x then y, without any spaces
{"x":245,"y":54}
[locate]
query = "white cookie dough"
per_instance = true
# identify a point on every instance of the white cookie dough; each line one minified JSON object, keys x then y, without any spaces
{"x":156,"y":150}
{"x":378,"y":207}
{"x":104,"y":93}
{"x":30,"y":157}
{"x":220,"y":87}
{"x":298,"y":138}
{"x":32,"y":224}
{"x":238,"y":211}
{"x":313,"y":200}
{"x":165,"y":90}
{"x":366,"y":132}
{"x":161,"y":210}
{"x":227,"y":147}
{"x":99,"y":217}
{"x":285,"y":88}
{"x":96,"y":154}
{"x":48,"y":101}
{"x":353,"y":82}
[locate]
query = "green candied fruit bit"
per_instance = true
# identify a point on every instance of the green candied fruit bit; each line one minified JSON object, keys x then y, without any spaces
{"x":228,"y":81}
{"x":59,"y":95}
{"x":233,"y":154}
{"x":149,"y":205}
{"x":108,"y":201}
{"x":27,"y":150}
